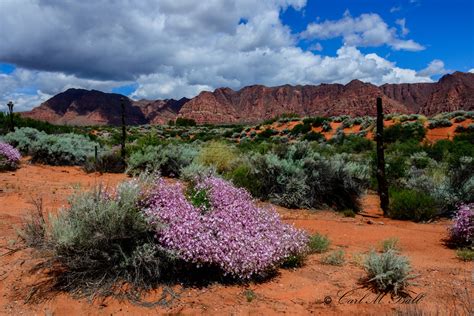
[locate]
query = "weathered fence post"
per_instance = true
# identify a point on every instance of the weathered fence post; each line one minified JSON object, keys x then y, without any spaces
{"x":381,"y":179}
{"x":124,"y":132}
{"x":10,"y":110}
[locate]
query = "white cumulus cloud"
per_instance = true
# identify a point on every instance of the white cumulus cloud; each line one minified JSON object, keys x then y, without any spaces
{"x":366,"y":30}
{"x":435,"y":67}
{"x":172,"y":49}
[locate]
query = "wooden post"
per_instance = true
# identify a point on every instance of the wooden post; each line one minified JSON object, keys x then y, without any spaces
{"x":124,"y":132}
{"x":10,"y":110}
{"x":381,"y":179}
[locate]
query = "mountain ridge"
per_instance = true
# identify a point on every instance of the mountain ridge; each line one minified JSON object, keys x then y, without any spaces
{"x":258,"y":102}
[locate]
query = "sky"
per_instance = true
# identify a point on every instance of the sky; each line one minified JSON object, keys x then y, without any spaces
{"x":159,"y":49}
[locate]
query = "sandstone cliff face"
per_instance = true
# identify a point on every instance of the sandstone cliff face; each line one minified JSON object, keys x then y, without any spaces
{"x":255,"y":103}
{"x":452,"y":92}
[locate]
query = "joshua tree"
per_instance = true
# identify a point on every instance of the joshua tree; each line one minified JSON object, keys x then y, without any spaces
{"x":124,"y":132}
{"x":381,"y":179}
{"x":10,"y":110}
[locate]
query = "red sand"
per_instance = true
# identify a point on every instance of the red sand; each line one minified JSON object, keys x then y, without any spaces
{"x":301,"y":291}
{"x":431,"y":134}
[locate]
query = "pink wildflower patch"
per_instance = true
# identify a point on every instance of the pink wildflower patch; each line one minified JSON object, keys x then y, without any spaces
{"x":235,"y":235}
{"x":9,"y":156}
{"x":462,"y":230}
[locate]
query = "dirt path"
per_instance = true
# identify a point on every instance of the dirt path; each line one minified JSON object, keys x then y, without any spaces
{"x":442,"y":277}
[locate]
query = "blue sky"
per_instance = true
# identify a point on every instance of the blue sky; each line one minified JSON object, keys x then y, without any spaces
{"x":446,"y":28}
{"x":171,"y":49}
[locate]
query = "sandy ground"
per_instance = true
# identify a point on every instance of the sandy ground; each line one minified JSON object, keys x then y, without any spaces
{"x":440,"y":287}
{"x":432,"y":135}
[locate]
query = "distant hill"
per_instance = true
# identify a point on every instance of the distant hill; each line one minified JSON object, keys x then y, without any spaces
{"x":255,"y":103}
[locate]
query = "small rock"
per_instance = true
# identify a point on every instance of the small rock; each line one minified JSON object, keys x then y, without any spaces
{"x":369,"y":222}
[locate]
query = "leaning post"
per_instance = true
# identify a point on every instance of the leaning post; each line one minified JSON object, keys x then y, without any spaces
{"x":124,"y":132}
{"x":381,"y":179}
{"x":10,"y":111}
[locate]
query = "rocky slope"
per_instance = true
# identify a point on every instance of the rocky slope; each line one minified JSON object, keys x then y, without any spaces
{"x":83,"y":107}
{"x":160,"y":111}
{"x":254,"y":103}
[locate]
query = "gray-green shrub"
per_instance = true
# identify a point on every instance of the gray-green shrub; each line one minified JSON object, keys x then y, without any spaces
{"x":63,"y":149}
{"x":168,"y":159}
{"x":100,"y":240}
{"x":220,"y":155}
{"x":335,"y":258}
{"x":414,"y":205}
{"x":318,"y":243}
{"x":388,"y":271}
{"x":302,"y":177}
{"x":437,"y":123}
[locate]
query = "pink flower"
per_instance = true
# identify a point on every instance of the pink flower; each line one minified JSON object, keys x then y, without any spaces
{"x":235,"y":235}
{"x":9,"y":156}
{"x":462,"y":230}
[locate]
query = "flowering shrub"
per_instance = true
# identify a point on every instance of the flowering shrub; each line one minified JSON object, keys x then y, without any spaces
{"x":462,"y":231}
{"x":64,"y":149}
{"x":9,"y":157}
{"x":233,"y":233}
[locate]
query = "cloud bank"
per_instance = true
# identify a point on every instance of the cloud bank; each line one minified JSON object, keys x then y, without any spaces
{"x":171,"y":49}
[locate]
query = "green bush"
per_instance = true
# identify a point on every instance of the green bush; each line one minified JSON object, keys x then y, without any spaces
{"x":367,"y":122}
{"x":300,"y":129}
{"x":403,"y":132}
{"x":313,"y":136}
{"x":303,"y":178}
{"x":439,"y":123}
{"x":348,"y":213}
{"x":315,"y":121}
{"x":101,"y":240}
{"x":64,"y":149}
{"x":404,"y":148}
{"x":388,"y":271}
{"x":390,"y":244}
{"x":465,"y":254}
{"x":354,"y":144}
{"x":396,"y":168}
{"x":465,"y":133}
{"x":168,"y":159}
{"x":218,"y":154}
{"x":24,"y":138}
{"x":241,"y":177}
{"x":109,"y":161}
{"x":145,"y":159}
{"x":461,"y":180}
{"x":67,"y":149}
{"x":420,"y":160}
{"x":182,"y":121}
{"x":196,"y":170}
{"x":267,"y":133}
{"x":347,"y":123}
{"x":335,"y":258}
{"x":408,"y":204}
{"x":327,"y":126}
{"x":318,"y":243}
{"x":149,"y":139}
